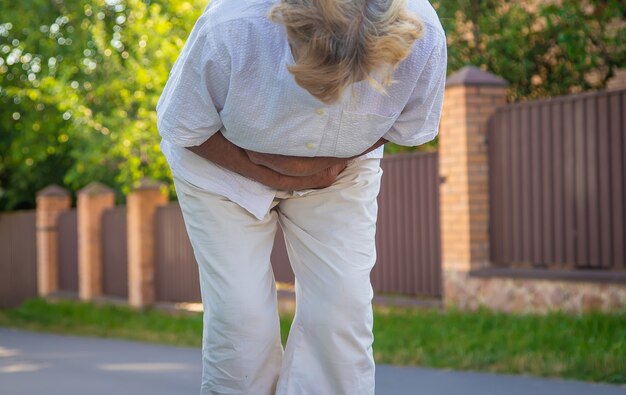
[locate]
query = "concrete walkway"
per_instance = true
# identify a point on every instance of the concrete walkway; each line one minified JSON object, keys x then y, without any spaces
{"x":35,"y":363}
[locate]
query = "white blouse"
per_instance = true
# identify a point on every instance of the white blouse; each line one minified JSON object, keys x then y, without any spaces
{"x":232,"y":76}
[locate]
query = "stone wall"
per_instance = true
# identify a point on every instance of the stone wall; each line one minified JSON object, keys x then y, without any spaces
{"x":521,"y":295}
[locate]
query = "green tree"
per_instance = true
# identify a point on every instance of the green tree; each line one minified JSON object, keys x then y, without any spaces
{"x":543,"y":48}
{"x":79,"y":82}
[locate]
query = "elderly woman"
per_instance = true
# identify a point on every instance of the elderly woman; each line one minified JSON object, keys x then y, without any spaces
{"x":275,"y":113}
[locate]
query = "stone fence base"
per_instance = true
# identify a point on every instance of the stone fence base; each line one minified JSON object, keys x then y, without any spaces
{"x":523,"y":295}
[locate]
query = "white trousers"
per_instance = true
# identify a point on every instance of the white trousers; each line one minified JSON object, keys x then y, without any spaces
{"x":329,"y":235}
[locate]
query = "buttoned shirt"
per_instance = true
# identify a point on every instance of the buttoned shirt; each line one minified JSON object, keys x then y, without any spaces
{"x":231,"y":76}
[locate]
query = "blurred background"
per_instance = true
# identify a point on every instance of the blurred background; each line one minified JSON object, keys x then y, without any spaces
{"x":501,"y":244}
{"x":79,"y":80}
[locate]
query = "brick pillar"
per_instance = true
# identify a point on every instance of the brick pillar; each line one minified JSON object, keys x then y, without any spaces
{"x":471,"y":97}
{"x":51,"y":202}
{"x":141,"y":206}
{"x":93,"y":200}
{"x":618,"y":81}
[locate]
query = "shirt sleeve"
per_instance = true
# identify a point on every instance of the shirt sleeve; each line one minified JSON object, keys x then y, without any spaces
{"x":418,"y":122}
{"x":188,"y":111}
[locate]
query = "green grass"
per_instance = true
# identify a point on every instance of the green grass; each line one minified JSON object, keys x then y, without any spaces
{"x":588,"y":347}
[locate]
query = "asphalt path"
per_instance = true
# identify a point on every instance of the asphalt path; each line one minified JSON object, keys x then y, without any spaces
{"x":37,"y":363}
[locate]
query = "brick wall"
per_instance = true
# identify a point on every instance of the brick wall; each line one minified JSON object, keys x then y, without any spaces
{"x":471,"y":98}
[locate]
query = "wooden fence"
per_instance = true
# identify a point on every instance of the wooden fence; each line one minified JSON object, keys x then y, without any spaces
{"x":558,"y":183}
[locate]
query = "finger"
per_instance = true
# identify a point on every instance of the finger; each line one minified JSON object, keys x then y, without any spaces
{"x":255,"y":157}
{"x":338,"y":168}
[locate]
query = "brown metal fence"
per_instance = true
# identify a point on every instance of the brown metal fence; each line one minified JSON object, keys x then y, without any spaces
{"x":176,"y":271}
{"x":557,"y":183}
{"x":407,"y":236}
{"x":68,"y":251}
{"x":408,"y":240}
{"x":18,"y":258}
{"x":280,"y":260}
{"x":114,"y":253}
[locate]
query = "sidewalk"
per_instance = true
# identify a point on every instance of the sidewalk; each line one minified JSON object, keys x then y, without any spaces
{"x":34,"y":363}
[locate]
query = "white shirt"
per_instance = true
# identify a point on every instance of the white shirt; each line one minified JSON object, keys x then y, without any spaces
{"x":231,"y":76}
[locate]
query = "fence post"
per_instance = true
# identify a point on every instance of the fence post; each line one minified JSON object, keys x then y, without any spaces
{"x":51,"y":202}
{"x":471,"y":97}
{"x":141,"y":205}
{"x":92,"y":201}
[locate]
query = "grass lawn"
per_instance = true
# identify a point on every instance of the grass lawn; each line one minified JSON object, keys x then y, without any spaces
{"x":589,"y":347}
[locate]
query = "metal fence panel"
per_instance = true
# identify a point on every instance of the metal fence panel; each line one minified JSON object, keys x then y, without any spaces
{"x":176,"y":271}
{"x":280,"y":261}
{"x":18,"y":257}
{"x":408,"y":239}
{"x":114,"y":252}
{"x":557,"y":177}
{"x":408,"y":231}
{"x":68,"y":251}
{"x":407,"y":236}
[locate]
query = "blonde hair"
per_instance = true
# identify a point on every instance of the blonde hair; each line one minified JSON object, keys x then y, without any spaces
{"x":345,"y":41}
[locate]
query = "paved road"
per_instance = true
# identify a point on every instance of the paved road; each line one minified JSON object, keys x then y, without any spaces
{"x":35,"y":363}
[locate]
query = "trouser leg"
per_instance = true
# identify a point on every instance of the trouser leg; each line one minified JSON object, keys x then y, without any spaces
{"x":241,"y":348}
{"x":330,"y":237}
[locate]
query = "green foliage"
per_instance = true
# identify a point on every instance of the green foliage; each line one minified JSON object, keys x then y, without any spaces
{"x":79,"y":80}
{"x":543,"y":48}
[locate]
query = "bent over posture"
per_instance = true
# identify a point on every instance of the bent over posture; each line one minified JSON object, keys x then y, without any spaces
{"x":275,"y":114}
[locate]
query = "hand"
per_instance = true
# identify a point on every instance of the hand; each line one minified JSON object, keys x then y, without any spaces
{"x":294,"y":165}
{"x":222,"y":152}
{"x":322,"y":179}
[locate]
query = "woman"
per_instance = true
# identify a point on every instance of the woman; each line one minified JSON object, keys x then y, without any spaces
{"x":275,"y":113}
